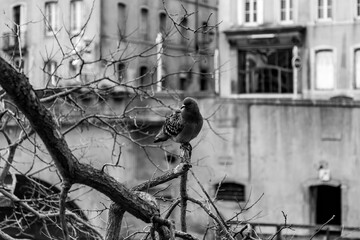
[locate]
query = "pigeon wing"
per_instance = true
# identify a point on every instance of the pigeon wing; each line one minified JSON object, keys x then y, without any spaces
{"x":173,"y":124}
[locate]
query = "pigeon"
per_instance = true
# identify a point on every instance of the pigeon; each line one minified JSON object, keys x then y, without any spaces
{"x":182,"y":125}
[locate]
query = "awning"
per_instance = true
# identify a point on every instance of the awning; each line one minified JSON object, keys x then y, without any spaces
{"x":248,"y":37}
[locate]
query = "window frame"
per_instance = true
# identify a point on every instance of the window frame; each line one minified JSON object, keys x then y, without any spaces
{"x":324,"y":10}
{"x":356,"y":72}
{"x":51,"y":79}
{"x":315,"y":80}
{"x":255,"y":9}
{"x":23,"y":17}
{"x":76,"y":21}
{"x":144,"y":28}
{"x":162,"y":24}
{"x":288,"y":11}
{"x":121,"y":20}
{"x":51,"y":24}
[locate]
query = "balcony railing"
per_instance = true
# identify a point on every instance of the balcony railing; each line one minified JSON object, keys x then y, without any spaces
{"x":13,"y":42}
{"x":299,"y":231}
{"x":269,"y":79}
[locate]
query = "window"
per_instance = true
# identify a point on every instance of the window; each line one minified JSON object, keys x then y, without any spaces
{"x":51,"y":17}
{"x":253,"y":11}
{"x":144,"y":23}
{"x":18,"y":16}
{"x":121,"y":72}
{"x":144,"y":77}
{"x":50,"y":73}
{"x":228,"y":191}
{"x":121,"y":19}
{"x":76,"y":7}
{"x":184,"y":31}
{"x":324,"y":9}
{"x":204,"y":80}
{"x":321,"y":208}
{"x":286,"y":10}
{"x":357,"y":68}
{"x":324,"y":70}
{"x":162,"y":23}
{"x":264,"y":70}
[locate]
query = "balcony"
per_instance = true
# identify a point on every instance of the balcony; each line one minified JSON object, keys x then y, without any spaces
{"x":268,"y":80}
{"x":12,"y":44}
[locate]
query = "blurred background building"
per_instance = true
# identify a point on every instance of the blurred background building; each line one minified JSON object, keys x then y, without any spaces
{"x":279,"y":80}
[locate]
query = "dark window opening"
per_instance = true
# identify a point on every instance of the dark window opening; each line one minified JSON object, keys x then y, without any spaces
{"x":121,"y":71}
{"x":144,"y":76}
{"x":144,"y":23}
{"x":162,"y":23}
{"x":264,"y":71}
{"x":230,"y":192}
{"x":204,"y":80}
{"x":325,"y":203}
{"x":16,"y":14}
{"x":184,"y":31}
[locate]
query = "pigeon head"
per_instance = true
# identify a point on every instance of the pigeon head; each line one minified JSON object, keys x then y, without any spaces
{"x":190,"y":104}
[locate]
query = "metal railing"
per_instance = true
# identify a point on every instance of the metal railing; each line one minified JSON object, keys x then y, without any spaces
{"x":268,"y":79}
{"x":275,"y":231}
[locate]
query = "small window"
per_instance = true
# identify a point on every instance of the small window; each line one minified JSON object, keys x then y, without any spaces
{"x":121,"y":72}
{"x":251,"y":11}
{"x":144,"y":23}
{"x":50,"y":73}
{"x":162,"y":22}
{"x":286,"y":10}
{"x":324,"y":9}
{"x":357,"y":68}
{"x":121,"y":24}
{"x":324,"y":70}
{"x":204,"y":79}
{"x":51,"y":17}
{"x":144,"y":76}
{"x":230,"y":191}
{"x":76,"y":7}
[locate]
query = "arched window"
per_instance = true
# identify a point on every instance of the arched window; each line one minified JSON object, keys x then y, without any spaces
{"x":229,"y":191}
{"x":121,"y":16}
{"x":144,"y":23}
{"x":144,"y":77}
{"x":162,"y":22}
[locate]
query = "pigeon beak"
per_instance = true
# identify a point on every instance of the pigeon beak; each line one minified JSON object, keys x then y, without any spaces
{"x":182,"y":106}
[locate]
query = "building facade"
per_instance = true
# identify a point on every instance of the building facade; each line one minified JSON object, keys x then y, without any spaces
{"x":289,"y":72}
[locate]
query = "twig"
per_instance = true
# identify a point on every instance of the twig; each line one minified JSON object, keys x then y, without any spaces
{"x":62,"y":208}
{"x":321,"y":227}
